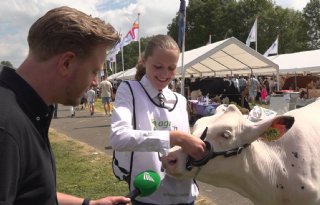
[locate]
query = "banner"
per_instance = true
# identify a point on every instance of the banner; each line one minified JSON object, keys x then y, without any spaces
{"x":273,"y":48}
{"x":253,"y":34}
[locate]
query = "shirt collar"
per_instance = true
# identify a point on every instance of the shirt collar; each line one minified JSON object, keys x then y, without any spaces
{"x":27,"y":97}
{"x":153,"y":92}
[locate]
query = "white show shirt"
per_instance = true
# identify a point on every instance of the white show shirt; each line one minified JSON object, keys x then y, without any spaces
{"x":150,"y":137}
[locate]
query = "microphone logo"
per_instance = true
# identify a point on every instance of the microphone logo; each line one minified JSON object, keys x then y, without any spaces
{"x":146,"y":176}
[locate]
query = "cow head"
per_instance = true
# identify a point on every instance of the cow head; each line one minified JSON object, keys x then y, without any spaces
{"x":227,"y":130}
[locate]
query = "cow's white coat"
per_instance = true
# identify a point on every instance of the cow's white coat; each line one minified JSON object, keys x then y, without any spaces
{"x":282,"y":172}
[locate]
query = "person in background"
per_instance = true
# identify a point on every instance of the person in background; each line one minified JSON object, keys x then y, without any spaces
{"x":72,"y":111}
{"x":83,"y":101}
{"x":106,"y":95}
{"x":264,"y":94}
{"x":242,"y":83}
{"x":55,"y":111}
{"x":253,"y":85}
{"x":148,"y":119}
{"x":67,"y":48}
{"x":91,"y":94}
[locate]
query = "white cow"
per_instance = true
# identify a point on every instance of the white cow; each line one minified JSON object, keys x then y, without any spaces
{"x":281,"y":172}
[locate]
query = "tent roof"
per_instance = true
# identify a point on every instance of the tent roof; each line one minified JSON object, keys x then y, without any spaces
{"x":128,"y":74}
{"x":226,"y":57}
{"x":306,"y":61}
{"x":115,"y":75}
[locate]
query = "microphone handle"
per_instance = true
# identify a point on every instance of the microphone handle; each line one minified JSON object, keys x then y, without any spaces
{"x":132,"y":195}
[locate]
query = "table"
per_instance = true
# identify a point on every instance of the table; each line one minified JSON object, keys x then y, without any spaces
{"x":202,"y":108}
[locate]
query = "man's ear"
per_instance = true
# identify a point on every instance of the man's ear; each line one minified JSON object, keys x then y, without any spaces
{"x":64,"y":63}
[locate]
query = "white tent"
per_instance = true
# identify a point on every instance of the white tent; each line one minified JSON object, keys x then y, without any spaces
{"x":115,"y":75}
{"x":226,"y":57}
{"x":222,"y":58}
{"x":300,"y":62}
{"x":128,"y":74}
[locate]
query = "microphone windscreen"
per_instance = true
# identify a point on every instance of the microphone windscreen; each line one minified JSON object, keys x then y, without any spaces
{"x":147,"y":182}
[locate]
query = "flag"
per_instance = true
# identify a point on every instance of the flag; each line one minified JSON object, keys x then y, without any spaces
{"x":111,"y":56}
{"x":209,"y":41}
{"x":181,"y":22}
{"x":132,"y":35}
{"x":273,"y":48}
{"x":253,"y":34}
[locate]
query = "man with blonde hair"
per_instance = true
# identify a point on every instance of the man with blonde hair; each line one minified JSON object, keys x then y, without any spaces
{"x":67,"y":49}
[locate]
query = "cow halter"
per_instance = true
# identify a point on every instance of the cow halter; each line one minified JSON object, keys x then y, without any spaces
{"x":211,"y":153}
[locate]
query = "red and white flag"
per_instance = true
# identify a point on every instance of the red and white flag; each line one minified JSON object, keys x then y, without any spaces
{"x":132,"y":35}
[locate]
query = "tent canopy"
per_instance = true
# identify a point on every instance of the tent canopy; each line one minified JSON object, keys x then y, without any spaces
{"x":227,"y":57}
{"x":306,"y":61}
{"x":115,"y":75}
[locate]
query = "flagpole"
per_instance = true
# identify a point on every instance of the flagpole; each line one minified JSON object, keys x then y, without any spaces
{"x":122,"y":60}
{"x":257,"y":36}
{"x":139,"y":36}
{"x":182,"y":52}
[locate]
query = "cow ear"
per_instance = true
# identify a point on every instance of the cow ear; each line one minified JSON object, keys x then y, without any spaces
{"x":279,"y":126}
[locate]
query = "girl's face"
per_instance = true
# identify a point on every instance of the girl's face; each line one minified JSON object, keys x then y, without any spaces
{"x":161,"y":67}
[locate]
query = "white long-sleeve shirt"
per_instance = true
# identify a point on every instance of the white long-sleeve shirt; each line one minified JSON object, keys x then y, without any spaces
{"x":150,"y":137}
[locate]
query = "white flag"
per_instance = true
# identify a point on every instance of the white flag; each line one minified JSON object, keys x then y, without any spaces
{"x":253,"y":34}
{"x":273,"y":48}
{"x":111,"y":56}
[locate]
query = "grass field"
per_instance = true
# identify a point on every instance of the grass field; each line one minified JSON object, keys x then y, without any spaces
{"x":86,"y":172}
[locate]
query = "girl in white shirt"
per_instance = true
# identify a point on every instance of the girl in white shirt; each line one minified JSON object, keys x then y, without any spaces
{"x":143,"y":128}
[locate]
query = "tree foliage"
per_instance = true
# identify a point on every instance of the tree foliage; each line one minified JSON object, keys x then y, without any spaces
{"x":225,"y":18}
{"x":297,"y":31}
{"x":311,"y":15}
{"x":6,"y":63}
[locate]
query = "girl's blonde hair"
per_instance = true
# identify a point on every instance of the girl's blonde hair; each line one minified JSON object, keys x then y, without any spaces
{"x":158,"y":41}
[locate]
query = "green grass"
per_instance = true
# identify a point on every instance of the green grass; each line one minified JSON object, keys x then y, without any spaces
{"x":98,"y":105}
{"x":84,"y":171}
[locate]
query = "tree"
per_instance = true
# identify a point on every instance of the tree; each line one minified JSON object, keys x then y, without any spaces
{"x":311,"y":15}
{"x":6,"y":63}
{"x":130,"y":55}
{"x":226,"y":18}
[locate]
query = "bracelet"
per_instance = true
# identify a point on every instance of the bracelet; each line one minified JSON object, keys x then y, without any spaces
{"x":86,"y":201}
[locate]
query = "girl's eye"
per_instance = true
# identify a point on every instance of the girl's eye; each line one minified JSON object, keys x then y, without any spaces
{"x":157,"y":66}
{"x":172,"y":68}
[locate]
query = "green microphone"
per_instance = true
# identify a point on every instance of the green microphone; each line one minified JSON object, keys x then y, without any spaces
{"x":145,"y":184}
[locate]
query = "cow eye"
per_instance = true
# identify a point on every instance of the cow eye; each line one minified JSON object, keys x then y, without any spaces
{"x":226,"y":134}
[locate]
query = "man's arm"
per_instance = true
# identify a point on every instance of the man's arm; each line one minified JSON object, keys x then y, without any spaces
{"x":65,"y":199}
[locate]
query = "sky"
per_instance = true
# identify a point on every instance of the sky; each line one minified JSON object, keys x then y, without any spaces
{"x":16,"y":17}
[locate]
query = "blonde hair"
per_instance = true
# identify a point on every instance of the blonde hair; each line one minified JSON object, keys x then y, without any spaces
{"x":158,"y":41}
{"x":67,"y":29}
